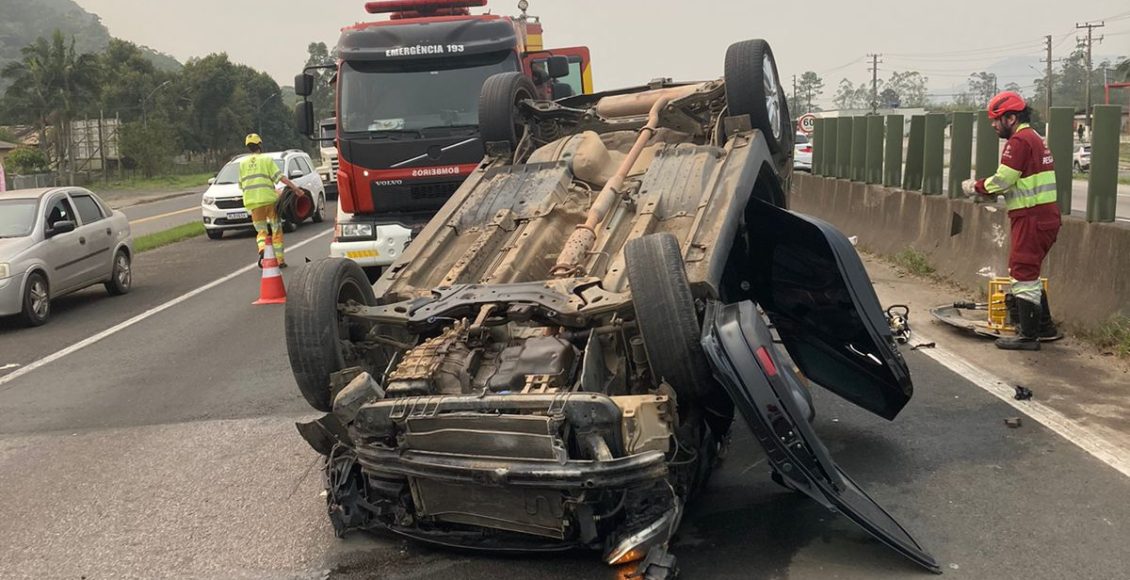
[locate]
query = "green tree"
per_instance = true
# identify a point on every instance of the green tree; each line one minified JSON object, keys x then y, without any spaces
{"x":151,"y":145}
{"x":323,"y":97}
{"x":26,"y":161}
{"x":982,"y":87}
{"x":910,"y":86}
{"x":50,"y":86}
{"x":851,"y":96}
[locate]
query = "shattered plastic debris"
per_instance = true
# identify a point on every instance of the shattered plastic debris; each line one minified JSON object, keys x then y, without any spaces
{"x":1022,"y":393}
{"x":1012,"y":422}
{"x":987,"y":272}
{"x":854,"y":240}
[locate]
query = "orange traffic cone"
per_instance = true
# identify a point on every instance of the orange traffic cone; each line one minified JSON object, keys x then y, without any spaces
{"x":271,"y":289}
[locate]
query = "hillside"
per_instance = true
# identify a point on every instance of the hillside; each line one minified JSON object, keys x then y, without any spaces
{"x":22,"y":21}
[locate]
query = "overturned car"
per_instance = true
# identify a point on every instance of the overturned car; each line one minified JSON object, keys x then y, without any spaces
{"x":556,"y":360}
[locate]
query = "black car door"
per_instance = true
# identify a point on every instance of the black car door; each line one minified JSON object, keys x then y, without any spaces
{"x":811,"y":284}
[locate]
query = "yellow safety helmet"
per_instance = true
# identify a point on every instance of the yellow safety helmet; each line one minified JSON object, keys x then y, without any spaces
{"x":253,"y":138}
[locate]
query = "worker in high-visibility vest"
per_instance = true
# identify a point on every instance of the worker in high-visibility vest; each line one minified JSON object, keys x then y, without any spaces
{"x":1026,"y":178}
{"x":258,"y":175}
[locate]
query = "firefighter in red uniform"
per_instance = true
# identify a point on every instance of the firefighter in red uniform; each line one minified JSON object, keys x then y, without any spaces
{"x":1026,"y":178}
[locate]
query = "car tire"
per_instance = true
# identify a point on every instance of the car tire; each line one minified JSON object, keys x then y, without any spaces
{"x":121,"y":275}
{"x":498,"y":119}
{"x":36,"y":300}
{"x":753,"y":88}
{"x":289,"y":227}
{"x":214,"y":234}
{"x":1078,"y":167}
{"x":666,"y":317}
{"x":319,"y":209}
{"x":315,"y":331}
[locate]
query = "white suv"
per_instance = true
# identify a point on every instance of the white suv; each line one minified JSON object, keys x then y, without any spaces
{"x":222,"y":204}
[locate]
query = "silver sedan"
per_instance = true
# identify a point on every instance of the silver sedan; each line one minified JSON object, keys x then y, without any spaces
{"x":55,"y":241}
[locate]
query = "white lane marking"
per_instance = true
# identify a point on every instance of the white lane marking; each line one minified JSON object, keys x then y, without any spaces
{"x":9,"y":366}
{"x":1109,"y":453}
{"x":132,"y":321}
{"x":164,"y":215}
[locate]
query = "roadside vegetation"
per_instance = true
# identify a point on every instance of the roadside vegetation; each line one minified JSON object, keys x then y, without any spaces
{"x":156,"y":183}
{"x":914,"y":262}
{"x":170,"y":236}
{"x":1113,"y":336}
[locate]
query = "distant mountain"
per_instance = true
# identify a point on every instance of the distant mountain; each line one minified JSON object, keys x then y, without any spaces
{"x":23,"y":21}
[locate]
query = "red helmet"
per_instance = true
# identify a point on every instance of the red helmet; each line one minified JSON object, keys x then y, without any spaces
{"x":1006,"y":102}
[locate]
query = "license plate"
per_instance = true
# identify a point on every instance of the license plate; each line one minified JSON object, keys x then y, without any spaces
{"x":237,"y":215}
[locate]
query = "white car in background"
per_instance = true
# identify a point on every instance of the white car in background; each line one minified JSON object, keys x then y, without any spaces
{"x":802,"y":153}
{"x":222,"y":204}
{"x":1081,"y":159}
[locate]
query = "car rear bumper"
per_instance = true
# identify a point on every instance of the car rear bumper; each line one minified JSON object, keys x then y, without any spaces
{"x":390,"y":242}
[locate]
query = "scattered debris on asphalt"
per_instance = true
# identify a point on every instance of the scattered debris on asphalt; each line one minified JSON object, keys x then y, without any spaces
{"x":1022,"y":393}
{"x":924,"y":345}
{"x":1012,"y":422}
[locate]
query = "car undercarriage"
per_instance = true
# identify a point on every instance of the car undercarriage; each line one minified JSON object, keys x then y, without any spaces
{"x":556,"y":360}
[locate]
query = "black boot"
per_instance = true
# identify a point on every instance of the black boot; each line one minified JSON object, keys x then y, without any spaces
{"x":1047,"y":325}
{"x":1026,"y":331}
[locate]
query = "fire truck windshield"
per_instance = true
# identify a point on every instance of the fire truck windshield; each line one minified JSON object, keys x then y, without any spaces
{"x":412,"y":95}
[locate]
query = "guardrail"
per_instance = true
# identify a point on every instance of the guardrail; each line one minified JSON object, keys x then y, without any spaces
{"x":869,"y":149}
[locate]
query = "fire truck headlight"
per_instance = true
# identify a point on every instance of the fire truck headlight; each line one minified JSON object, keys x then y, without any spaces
{"x":356,"y":230}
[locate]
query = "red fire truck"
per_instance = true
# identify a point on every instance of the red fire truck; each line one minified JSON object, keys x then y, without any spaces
{"x":407,"y":102}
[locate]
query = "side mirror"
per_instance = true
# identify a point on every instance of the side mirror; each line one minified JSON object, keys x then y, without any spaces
{"x":60,"y":227}
{"x":539,"y":74}
{"x":304,"y":84}
{"x":558,"y":66}
{"x":211,"y":180}
{"x":295,"y":174}
{"x":304,"y":118}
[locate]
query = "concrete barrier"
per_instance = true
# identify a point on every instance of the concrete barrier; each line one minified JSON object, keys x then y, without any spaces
{"x":1088,"y":269}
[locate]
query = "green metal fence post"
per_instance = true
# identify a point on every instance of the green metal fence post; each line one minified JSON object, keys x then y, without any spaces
{"x":817,"y":150}
{"x":933,"y":153}
{"x":859,"y":148}
{"x":988,"y":147}
{"x":828,"y":158}
{"x":892,"y":174}
{"x":874,"y":149}
{"x":1060,"y":139}
{"x":1102,"y":187}
{"x":912,"y":178}
{"x":961,"y":152}
{"x":843,"y":148}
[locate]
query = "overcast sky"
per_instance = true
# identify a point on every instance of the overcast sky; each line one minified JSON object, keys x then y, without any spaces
{"x":636,"y":40}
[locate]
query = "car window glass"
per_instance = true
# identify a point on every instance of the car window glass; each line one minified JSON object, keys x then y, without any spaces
{"x":280,"y":163}
{"x":59,"y":210}
{"x":17,"y":217}
{"x":88,"y":209}
{"x":801,"y":139}
{"x":304,"y":164}
{"x":229,"y":174}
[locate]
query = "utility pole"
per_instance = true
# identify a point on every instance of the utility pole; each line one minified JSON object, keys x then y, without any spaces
{"x":1090,"y":44}
{"x":875,"y":82}
{"x":1048,"y":80}
{"x":795,"y":102}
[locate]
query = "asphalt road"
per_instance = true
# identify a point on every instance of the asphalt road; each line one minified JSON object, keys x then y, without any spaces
{"x":148,"y":218}
{"x":168,"y":449}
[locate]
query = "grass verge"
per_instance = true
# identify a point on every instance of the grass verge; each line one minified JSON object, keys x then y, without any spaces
{"x":914,"y":262}
{"x":1112,"y":336}
{"x":170,"y":236}
{"x":162,"y":182}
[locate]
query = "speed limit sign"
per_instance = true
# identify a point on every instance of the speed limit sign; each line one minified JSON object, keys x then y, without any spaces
{"x":806,"y":123}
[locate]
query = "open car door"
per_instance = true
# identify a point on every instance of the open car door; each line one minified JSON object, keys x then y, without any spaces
{"x":811,"y":284}
{"x":763,"y":387}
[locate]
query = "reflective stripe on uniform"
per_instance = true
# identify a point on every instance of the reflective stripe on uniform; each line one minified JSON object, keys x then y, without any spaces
{"x":257,"y":177}
{"x":1030,"y":291}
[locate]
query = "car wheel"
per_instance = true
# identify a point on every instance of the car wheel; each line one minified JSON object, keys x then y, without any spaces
{"x":214,"y":234}
{"x":753,"y":88}
{"x":289,"y":226}
{"x":37,"y":300}
{"x":1078,"y":168}
{"x":320,"y":209}
{"x":318,"y":337}
{"x":121,"y":276}
{"x":498,"y":119}
{"x":665,"y":315}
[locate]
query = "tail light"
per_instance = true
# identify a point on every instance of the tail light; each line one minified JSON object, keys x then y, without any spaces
{"x":806,"y":149}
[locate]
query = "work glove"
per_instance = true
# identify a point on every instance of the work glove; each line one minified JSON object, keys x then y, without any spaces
{"x":969,"y":187}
